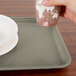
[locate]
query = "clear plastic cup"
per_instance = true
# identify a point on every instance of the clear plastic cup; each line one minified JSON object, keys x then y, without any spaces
{"x":46,"y":16}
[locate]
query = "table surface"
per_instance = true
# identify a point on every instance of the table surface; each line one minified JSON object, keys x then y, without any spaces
{"x":66,"y":27}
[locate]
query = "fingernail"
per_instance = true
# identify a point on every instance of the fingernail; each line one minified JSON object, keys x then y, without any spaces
{"x":45,"y":2}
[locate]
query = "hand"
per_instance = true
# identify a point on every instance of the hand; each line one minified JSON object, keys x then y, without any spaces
{"x":70,"y":12}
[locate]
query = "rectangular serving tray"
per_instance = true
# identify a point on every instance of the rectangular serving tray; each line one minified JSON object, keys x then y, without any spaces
{"x":38,"y":48}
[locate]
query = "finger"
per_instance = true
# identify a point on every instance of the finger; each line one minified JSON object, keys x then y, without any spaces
{"x":65,"y":15}
{"x":70,"y":15}
{"x":54,"y":2}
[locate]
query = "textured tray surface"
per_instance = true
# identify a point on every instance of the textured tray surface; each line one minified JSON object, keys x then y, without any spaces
{"x":38,"y":48}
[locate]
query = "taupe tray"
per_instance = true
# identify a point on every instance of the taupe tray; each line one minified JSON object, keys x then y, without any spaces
{"x":38,"y":48}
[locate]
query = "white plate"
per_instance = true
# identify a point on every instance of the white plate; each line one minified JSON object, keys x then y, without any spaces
{"x":8,"y":29}
{"x":9,"y":45}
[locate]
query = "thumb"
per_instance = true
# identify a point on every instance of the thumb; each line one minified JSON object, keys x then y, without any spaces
{"x":54,"y":2}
